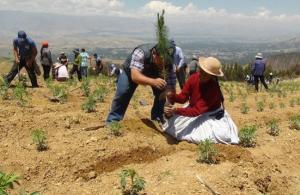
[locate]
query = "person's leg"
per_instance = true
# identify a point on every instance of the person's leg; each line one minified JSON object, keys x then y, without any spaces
{"x":262,"y":80}
{"x":46,"y":71}
{"x":157,"y":110}
{"x":256,"y":82}
{"x":32,"y":76}
{"x":125,"y":90}
{"x":78,"y":73}
{"x":72,"y":71}
{"x":84,"y":71}
{"x":14,"y":71}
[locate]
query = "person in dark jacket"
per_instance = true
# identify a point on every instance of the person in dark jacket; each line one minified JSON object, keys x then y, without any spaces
{"x":258,"y":70}
{"x":25,"y":52}
{"x":76,"y":64}
{"x":143,"y":66}
{"x":46,"y":59}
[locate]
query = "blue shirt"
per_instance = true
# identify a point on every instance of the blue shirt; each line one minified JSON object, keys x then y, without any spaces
{"x":26,"y":49}
{"x":258,"y":68}
{"x":84,"y":59}
{"x":178,"y":58}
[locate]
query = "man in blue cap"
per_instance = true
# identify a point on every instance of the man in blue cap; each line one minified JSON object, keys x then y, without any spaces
{"x":25,"y":52}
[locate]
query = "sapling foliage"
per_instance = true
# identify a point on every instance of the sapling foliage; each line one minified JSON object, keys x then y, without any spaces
{"x":39,"y":138}
{"x":115,"y":128}
{"x":85,"y":87}
{"x":244,"y":108}
{"x":89,"y":105}
{"x":207,"y":152}
{"x":100,"y":93}
{"x":20,"y":94}
{"x":247,"y":136}
{"x":273,"y":127}
{"x":59,"y":92}
{"x":260,"y":105}
{"x":32,"y":193}
{"x":3,"y":89}
{"x":7,"y":181}
{"x":135,"y":185}
{"x":295,"y":122}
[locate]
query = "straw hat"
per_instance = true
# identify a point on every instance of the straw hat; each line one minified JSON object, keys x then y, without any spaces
{"x":57,"y":65}
{"x":259,"y":56}
{"x":211,"y":66}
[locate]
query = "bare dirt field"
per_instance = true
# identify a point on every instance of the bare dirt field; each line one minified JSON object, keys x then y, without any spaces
{"x":89,"y":162}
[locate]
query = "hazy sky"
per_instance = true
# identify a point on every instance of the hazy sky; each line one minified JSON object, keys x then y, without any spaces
{"x":237,"y":17}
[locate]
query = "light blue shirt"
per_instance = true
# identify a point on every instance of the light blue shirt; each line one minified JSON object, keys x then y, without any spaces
{"x":178,"y":58}
{"x":84,"y":59}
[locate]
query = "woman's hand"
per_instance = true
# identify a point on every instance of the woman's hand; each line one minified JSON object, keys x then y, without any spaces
{"x":169,"y":111}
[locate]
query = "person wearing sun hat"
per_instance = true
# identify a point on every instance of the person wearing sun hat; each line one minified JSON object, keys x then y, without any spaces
{"x":258,"y":70}
{"x":25,"y":52}
{"x":204,"y":117}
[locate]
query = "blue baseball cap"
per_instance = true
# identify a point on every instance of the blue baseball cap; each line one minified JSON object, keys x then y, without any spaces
{"x":21,"y":36}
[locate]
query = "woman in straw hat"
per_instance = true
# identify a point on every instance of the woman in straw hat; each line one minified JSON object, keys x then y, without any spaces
{"x":204,"y":117}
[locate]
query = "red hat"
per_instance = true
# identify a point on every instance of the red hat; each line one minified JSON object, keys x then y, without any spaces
{"x":45,"y":43}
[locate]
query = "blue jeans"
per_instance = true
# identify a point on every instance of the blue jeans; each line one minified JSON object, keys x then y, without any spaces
{"x":125,"y":90}
{"x":84,"y":71}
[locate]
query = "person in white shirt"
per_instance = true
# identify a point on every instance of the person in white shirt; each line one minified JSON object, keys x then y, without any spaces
{"x":60,"y":72}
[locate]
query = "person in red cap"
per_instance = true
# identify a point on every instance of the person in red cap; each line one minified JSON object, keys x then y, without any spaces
{"x":46,"y":59}
{"x":25,"y":52}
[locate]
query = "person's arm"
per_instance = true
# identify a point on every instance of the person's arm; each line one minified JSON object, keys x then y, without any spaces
{"x":141,"y":79}
{"x":181,"y":57}
{"x":15,"y":52}
{"x":30,"y":61}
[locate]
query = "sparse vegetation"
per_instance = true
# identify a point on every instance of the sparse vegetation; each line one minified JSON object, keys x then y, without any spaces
{"x":244,"y":108}
{"x":231,"y":96}
{"x":20,"y":94}
{"x":7,"y":181}
{"x":115,"y":128}
{"x":100,"y":93}
{"x":59,"y":92}
{"x":292,"y":102}
{"x":295,"y":122}
{"x":3,"y":89}
{"x":85,"y":87}
{"x":281,"y":105}
{"x":33,"y":193}
{"x":271,"y":106}
{"x":39,"y":138}
{"x":247,"y":136}
{"x":273,"y":128}
{"x":207,"y":152}
{"x":260,"y":105}
{"x":89,"y":105}
{"x":137,"y":183}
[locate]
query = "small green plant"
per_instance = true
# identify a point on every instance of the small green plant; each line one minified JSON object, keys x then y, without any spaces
{"x":298,"y":101}
{"x":273,"y":128}
{"x":89,"y":105}
{"x":260,"y":105}
{"x":49,"y":82}
{"x":85,"y":87}
{"x":247,"y":136}
{"x":115,"y":128}
{"x":295,"y":122}
{"x":7,"y":181}
{"x":244,"y":108}
{"x":207,"y":152}
{"x":137,"y":183}
{"x":20,"y":94}
{"x":100,"y":93}
{"x":281,"y":105}
{"x":72,"y":82}
{"x":271,"y":106}
{"x":292,"y":102}
{"x":23,"y":80}
{"x":231,"y":96}
{"x":59,"y":92}
{"x":39,"y":138}
{"x":3,"y":89}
